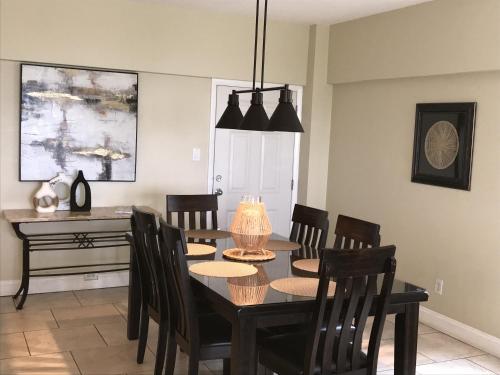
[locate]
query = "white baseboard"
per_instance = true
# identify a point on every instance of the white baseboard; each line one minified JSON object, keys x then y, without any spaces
{"x":63,"y":283}
{"x":472,"y":336}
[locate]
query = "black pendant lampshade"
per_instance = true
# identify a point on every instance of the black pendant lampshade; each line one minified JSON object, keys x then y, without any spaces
{"x":284,"y":118}
{"x":256,"y":117}
{"x":232,"y":116}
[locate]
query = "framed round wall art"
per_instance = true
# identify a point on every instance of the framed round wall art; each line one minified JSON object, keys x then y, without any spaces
{"x":443,"y":144}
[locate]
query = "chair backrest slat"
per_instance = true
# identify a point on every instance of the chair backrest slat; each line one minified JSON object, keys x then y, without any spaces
{"x":356,"y":272}
{"x":203,"y":220}
{"x":172,"y":250}
{"x":192,"y":219}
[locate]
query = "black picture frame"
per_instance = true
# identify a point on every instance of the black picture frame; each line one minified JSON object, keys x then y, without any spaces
{"x":442,"y":156}
{"x":81,"y":68}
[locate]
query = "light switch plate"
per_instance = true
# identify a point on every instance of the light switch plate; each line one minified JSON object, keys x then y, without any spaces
{"x":196,"y":154}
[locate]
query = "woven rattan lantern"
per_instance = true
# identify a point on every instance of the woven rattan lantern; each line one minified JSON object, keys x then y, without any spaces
{"x":251,"y":228}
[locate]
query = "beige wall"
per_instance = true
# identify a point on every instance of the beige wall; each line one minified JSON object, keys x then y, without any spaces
{"x":148,"y":36}
{"x":438,"y":37}
{"x":176,"y":50}
{"x":439,"y":232}
{"x":316,"y":120}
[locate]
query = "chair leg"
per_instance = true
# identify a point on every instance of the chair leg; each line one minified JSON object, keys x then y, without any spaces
{"x":194,"y":363}
{"x":143,"y":334}
{"x":226,"y":366}
{"x":161,"y":347}
{"x":171,"y":354}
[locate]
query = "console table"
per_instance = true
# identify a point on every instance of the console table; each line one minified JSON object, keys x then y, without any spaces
{"x":72,"y":240}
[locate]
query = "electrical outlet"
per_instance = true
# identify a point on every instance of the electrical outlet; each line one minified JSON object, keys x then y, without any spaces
{"x":90,"y":276}
{"x":438,"y":287}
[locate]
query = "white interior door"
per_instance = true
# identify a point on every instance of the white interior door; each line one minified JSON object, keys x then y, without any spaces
{"x":256,"y":163}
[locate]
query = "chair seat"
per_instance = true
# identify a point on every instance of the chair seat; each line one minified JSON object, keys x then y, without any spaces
{"x":215,"y":337}
{"x":284,"y":354}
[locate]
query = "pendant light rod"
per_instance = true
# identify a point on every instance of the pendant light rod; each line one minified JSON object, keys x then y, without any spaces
{"x":276,"y":88}
{"x":263,"y":46}
{"x":255,"y":43}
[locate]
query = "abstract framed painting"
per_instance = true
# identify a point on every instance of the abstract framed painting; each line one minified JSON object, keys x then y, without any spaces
{"x":77,"y":119}
{"x":443,"y":144}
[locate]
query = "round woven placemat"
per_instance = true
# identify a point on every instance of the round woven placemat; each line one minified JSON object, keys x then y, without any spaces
{"x":207,"y":234}
{"x":279,"y":245}
{"x":237,"y":254}
{"x":223,"y":269}
{"x":200,"y":249}
{"x":308,"y":265}
{"x":300,"y":286}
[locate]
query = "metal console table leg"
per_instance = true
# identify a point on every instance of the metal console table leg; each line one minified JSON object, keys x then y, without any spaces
{"x":25,"y":279}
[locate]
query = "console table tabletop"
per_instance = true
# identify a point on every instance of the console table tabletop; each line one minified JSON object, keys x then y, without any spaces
{"x":96,"y":213}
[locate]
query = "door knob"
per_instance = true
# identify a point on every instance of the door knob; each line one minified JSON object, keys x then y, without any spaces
{"x":219,"y":191}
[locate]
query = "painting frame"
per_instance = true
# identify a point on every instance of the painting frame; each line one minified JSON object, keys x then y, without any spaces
{"x":88,"y":69}
{"x":443,"y":144}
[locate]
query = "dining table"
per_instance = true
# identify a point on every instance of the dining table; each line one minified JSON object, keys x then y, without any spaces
{"x":252,"y":304}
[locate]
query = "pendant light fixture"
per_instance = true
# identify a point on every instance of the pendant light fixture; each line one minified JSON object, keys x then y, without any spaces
{"x":232,"y":114}
{"x":284,"y":117}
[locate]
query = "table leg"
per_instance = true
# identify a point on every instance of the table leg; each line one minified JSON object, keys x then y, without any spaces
{"x":243,"y":346}
{"x":405,"y":341}
{"x":25,"y":279}
{"x":134,"y":297}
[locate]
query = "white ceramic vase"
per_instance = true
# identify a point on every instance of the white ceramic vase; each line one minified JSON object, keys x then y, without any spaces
{"x":45,"y":199}
{"x":61,"y":184}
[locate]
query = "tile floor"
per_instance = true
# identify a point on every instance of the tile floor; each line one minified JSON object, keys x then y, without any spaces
{"x":84,"y":332}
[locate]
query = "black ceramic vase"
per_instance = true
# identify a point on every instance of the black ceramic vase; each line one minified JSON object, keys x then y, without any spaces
{"x":72,"y":200}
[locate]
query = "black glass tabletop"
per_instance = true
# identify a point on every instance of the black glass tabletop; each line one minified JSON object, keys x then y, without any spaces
{"x":257,"y":290}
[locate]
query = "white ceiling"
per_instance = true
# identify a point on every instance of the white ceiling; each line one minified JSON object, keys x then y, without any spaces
{"x":308,"y":11}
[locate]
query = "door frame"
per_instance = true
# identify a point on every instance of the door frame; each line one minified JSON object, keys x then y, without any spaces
{"x":211,"y":148}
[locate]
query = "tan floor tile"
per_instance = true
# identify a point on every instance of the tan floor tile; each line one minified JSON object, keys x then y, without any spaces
{"x":45,"y":301}
{"x":113,"y":360}
{"x":63,"y":339}
{"x":114,"y":333}
{"x":122,"y":307}
{"x":181,"y":366}
{"x":422,"y":329}
{"x":13,"y":345}
{"x":386,"y":356}
{"x":214,"y":365}
{"x":87,"y":315}
{"x":487,"y":361}
{"x":455,"y":367}
{"x":388,"y":332}
{"x":26,"y":321}
{"x":440,"y":347}
{"x":48,"y":364}
{"x":102,"y":296}
{"x":7,"y":305}
{"x":153,"y":335}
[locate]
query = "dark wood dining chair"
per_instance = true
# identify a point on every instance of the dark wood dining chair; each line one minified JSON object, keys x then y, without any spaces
{"x":201,"y":337}
{"x":337,"y":348}
{"x":153,"y":285}
{"x":310,"y":229}
{"x":352,"y":233}
{"x":193,"y":205}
